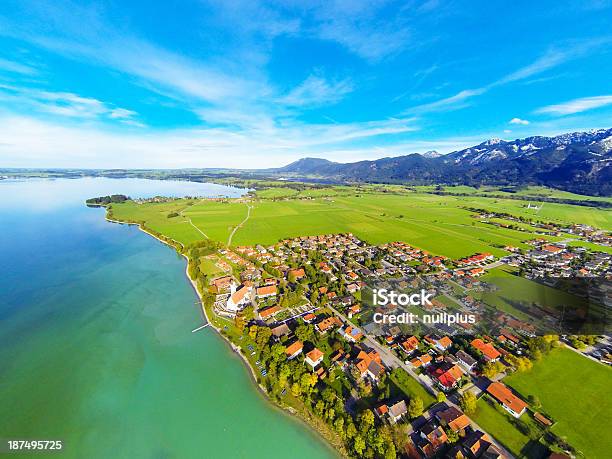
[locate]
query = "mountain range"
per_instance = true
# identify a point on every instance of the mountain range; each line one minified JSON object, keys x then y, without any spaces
{"x":579,"y":162}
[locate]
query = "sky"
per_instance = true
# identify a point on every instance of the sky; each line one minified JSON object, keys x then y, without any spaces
{"x":254,"y":84}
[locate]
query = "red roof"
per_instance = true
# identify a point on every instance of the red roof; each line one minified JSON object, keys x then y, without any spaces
{"x":314,"y":355}
{"x":505,"y":396}
{"x":267,"y":290}
{"x":488,"y":350}
{"x":269,"y":312}
{"x":294,"y":348}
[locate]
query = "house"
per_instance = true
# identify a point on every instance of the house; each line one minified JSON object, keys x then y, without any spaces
{"x":375,"y":370}
{"x":453,"y":418}
{"x":351,"y":334}
{"x":434,"y":435}
{"x":328,"y":324}
{"x":441,"y":344}
{"x":266,"y":291}
{"x":355,"y":309}
{"x":314,"y":358}
{"x":396,"y":411}
{"x":239,"y":298}
{"x":488,"y":350}
{"x":222,"y":283}
{"x":296,"y":273}
{"x":422,"y":360}
{"x":369,"y":364}
{"x":308,"y":318}
{"x":510,"y":402}
{"x":294,"y":349}
{"x":410,"y":345}
{"x":281,"y":330}
{"x":447,"y":376}
{"x":267,"y":313}
{"x":465,"y":360}
{"x":478,"y":444}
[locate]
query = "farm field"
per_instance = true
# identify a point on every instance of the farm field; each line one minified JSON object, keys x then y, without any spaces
{"x":529,"y":191}
{"x":434,"y":223}
{"x":575,"y":392}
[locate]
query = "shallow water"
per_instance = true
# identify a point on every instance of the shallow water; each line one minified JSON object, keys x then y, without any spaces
{"x":96,"y":346}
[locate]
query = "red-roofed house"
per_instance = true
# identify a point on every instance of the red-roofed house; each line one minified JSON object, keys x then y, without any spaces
{"x":510,"y":402}
{"x":294,"y":349}
{"x":314,"y":357}
{"x":488,"y":350}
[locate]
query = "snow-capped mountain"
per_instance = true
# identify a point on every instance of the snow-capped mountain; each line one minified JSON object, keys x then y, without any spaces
{"x":577,"y":161}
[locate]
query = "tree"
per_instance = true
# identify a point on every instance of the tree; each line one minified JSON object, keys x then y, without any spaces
{"x":467,"y":401}
{"x":351,"y":430}
{"x":415,"y":407}
{"x":453,"y":437}
{"x":283,"y":375}
{"x":296,"y":390}
{"x":534,"y":401}
{"x":390,"y":452}
{"x":366,"y":419}
{"x":490,"y":369}
{"x":339,"y":426}
{"x":441,"y":396}
{"x":304,"y":332}
{"x":263,"y":336}
{"x":359,"y":445}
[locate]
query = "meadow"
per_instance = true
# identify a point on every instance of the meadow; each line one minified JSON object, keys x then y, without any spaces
{"x":575,"y":392}
{"x":497,"y":422}
{"x":438,"y":224}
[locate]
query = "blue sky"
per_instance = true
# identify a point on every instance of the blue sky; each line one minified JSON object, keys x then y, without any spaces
{"x":259,"y":84}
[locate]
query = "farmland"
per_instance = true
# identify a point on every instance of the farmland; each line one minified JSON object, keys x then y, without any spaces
{"x":574,"y":392}
{"x":441,"y":225}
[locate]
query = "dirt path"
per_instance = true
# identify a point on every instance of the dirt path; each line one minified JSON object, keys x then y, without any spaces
{"x":229,"y":240}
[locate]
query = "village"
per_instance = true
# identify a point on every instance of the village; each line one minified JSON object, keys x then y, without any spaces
{"x":305,"y":299}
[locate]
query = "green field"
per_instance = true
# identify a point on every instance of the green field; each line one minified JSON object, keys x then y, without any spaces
{"x":438,"y":224}
{"x":514,"y":289}
{"x":575,"y":392}
{"x":409,"y":387}
{"x":498,"y":423}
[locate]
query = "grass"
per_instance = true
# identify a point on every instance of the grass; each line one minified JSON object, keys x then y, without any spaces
{"x":438,"y":224}
{"x":410,"y":387}
{"x":514,"y":289}
{"x":498,"y":423}
{"x":575,"y":392}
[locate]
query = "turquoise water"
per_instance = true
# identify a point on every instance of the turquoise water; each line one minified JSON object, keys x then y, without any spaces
{"x":96,"y":346}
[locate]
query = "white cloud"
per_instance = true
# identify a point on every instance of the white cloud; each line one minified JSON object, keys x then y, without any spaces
{"x":30,"y":142}
{"x":551,"y":59}
{"x":316,"y":90}
{"x":576,"y":105}
{"x":454,"y":102}
{"x":16,"y":67}
{"x":519,"y":121}
{"x":63,"y":104}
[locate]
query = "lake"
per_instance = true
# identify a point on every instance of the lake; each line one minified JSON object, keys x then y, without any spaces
{"x":96,"y":347}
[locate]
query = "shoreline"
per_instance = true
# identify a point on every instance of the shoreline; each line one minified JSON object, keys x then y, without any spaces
{"x":285,"y":410}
